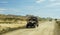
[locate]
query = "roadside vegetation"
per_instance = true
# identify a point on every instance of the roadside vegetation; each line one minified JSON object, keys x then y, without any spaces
{"x":10,"y":27}
{"x":57,"y":27}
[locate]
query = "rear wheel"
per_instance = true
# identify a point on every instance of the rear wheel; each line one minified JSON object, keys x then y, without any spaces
{"x":27,"y":26}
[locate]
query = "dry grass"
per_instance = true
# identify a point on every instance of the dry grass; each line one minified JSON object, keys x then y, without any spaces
{"x":4,"y":27}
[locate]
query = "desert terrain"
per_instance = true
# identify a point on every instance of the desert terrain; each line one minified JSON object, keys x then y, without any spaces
{"x":45,"y":28}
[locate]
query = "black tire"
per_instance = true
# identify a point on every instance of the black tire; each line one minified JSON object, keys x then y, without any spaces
{"x":37,"y":25}
{"x":34,"y":26}
{"x":27,"y":26}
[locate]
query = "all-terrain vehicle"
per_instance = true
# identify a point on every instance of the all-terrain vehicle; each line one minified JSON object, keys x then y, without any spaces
{"x":32,"y":22}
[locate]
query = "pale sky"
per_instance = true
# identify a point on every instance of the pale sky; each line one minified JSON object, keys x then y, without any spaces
{"x":43,"y":8}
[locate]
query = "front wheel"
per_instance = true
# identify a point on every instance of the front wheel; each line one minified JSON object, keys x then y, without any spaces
{"x":37,"y":25}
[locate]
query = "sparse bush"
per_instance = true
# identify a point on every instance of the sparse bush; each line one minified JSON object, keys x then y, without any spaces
{"x":55,"y":19}
{"x":58,"y":22}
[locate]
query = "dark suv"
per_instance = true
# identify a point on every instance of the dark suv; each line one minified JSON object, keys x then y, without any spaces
{"x":32,"y":22}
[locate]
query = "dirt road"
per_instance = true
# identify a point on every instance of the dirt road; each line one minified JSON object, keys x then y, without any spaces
{"x":46,"y":28}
